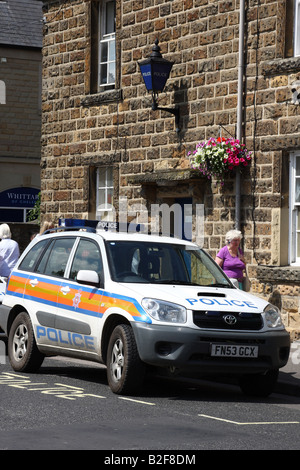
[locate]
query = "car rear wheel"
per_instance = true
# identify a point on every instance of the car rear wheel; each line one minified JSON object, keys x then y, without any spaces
{"x":259,"y":385}
{"x":125,"y":370}
{"x":23,"y":353}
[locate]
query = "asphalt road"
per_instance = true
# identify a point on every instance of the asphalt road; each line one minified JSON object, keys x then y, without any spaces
{"x":68,"y":405}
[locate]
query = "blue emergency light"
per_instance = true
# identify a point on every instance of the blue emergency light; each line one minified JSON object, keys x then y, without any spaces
{"x":78,"y":223}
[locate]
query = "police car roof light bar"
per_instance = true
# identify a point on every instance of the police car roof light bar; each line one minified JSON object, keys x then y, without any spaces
{"x":95,"y":225}
{"x":65,"y":229}
{"x":78,"y":223}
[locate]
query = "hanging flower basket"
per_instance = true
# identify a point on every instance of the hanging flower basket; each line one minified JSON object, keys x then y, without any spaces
{"x":217,"y":157}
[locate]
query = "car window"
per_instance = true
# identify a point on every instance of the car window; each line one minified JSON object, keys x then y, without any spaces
{"x":33,"y":255}
{"x":55,"y":258}
{"x":87,"y":256}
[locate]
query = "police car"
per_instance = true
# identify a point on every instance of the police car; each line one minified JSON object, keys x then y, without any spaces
{"x":2,"y":287}
{"x":132,"y":300}
{"x":2,"y":294}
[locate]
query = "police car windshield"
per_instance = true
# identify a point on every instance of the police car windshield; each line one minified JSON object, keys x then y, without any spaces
{"x":162,"y":263}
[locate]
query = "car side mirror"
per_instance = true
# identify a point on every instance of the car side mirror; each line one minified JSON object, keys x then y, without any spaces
{"x":85,"y":276}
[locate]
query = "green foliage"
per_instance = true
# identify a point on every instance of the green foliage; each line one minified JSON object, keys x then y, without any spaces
{"x":35,"y":212}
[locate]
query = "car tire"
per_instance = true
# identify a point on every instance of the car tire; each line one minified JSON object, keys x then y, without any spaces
{"x":23,"y":353}
{"x":125,"y":370}
{"x":259,"y":385}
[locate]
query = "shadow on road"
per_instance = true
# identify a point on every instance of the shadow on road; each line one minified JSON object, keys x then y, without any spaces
{"x":155,"y":386}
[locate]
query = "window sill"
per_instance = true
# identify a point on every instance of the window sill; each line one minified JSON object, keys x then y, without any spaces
{"x":104,"y":97}
{"x":278,"y":66}
{"x":280,"y":274}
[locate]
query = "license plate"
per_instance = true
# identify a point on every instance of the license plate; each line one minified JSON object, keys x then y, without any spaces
{"x":230,"y":350}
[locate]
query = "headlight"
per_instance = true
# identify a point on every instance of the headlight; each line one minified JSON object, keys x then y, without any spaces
{"x":164,"y":311}
{"x":272,"y":316}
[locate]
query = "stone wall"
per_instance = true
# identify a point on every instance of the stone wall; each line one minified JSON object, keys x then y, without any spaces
{"x":20,"y":125}
{"x":82,"y":130}
{"x":20,"y":118}
{"x":23,"y":233}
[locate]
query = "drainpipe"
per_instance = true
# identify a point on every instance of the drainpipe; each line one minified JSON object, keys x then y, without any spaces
{"x":240,"y":111}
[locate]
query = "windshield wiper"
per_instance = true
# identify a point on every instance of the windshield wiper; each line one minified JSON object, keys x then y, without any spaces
{"x":177,"y":282}
{"x":219,"y":284}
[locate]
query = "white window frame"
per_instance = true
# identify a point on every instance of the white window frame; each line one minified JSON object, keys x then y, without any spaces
{"x":297,"y":28}
{"x":107,"y":40}
{"x":294,"y":212}
{"x":105,"y":194}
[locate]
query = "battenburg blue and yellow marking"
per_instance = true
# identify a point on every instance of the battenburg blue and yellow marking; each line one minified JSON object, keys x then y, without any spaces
{"x":81,"y":299}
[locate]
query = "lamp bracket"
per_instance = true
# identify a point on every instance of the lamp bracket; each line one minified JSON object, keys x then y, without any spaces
{"x":175,"y":111}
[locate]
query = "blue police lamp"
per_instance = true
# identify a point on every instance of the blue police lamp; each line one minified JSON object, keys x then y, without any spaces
{"x":155,"y":71}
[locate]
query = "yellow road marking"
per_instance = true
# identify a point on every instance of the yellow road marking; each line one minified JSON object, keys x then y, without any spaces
{"x":249,"y":423}
{"x":137,"y":401}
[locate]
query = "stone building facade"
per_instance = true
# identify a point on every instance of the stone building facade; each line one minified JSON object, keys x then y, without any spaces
{"x":102,"y":139}
{"x":20,"y":113}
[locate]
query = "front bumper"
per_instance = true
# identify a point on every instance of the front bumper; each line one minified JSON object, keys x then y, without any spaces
{"x":188,"y":349}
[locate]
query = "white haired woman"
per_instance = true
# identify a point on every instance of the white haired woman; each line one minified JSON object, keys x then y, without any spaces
{"x":231,"y":258}
{"x":9,"y":251}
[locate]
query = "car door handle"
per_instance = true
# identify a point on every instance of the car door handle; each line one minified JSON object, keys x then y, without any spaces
{"x":65,"y":290}
{"x":33,"y":282}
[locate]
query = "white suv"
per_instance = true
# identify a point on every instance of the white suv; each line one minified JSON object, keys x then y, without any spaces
{"x":129,"y":300}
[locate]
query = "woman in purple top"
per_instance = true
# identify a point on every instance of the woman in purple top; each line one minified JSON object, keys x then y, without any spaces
{"x":231,"y":259}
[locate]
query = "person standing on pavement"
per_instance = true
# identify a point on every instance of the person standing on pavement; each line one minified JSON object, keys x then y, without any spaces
{"x":231,"y":258}
{"x":9,"y":251}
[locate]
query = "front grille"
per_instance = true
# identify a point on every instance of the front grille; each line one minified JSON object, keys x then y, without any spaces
{"x":227,"y":320}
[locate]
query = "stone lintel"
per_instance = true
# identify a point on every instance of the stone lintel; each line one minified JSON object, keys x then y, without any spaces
{"x":165,"y":177}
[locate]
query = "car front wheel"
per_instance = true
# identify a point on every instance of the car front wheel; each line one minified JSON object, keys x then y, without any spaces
{"x":125,"y":370}
{"x":23,"y":353}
